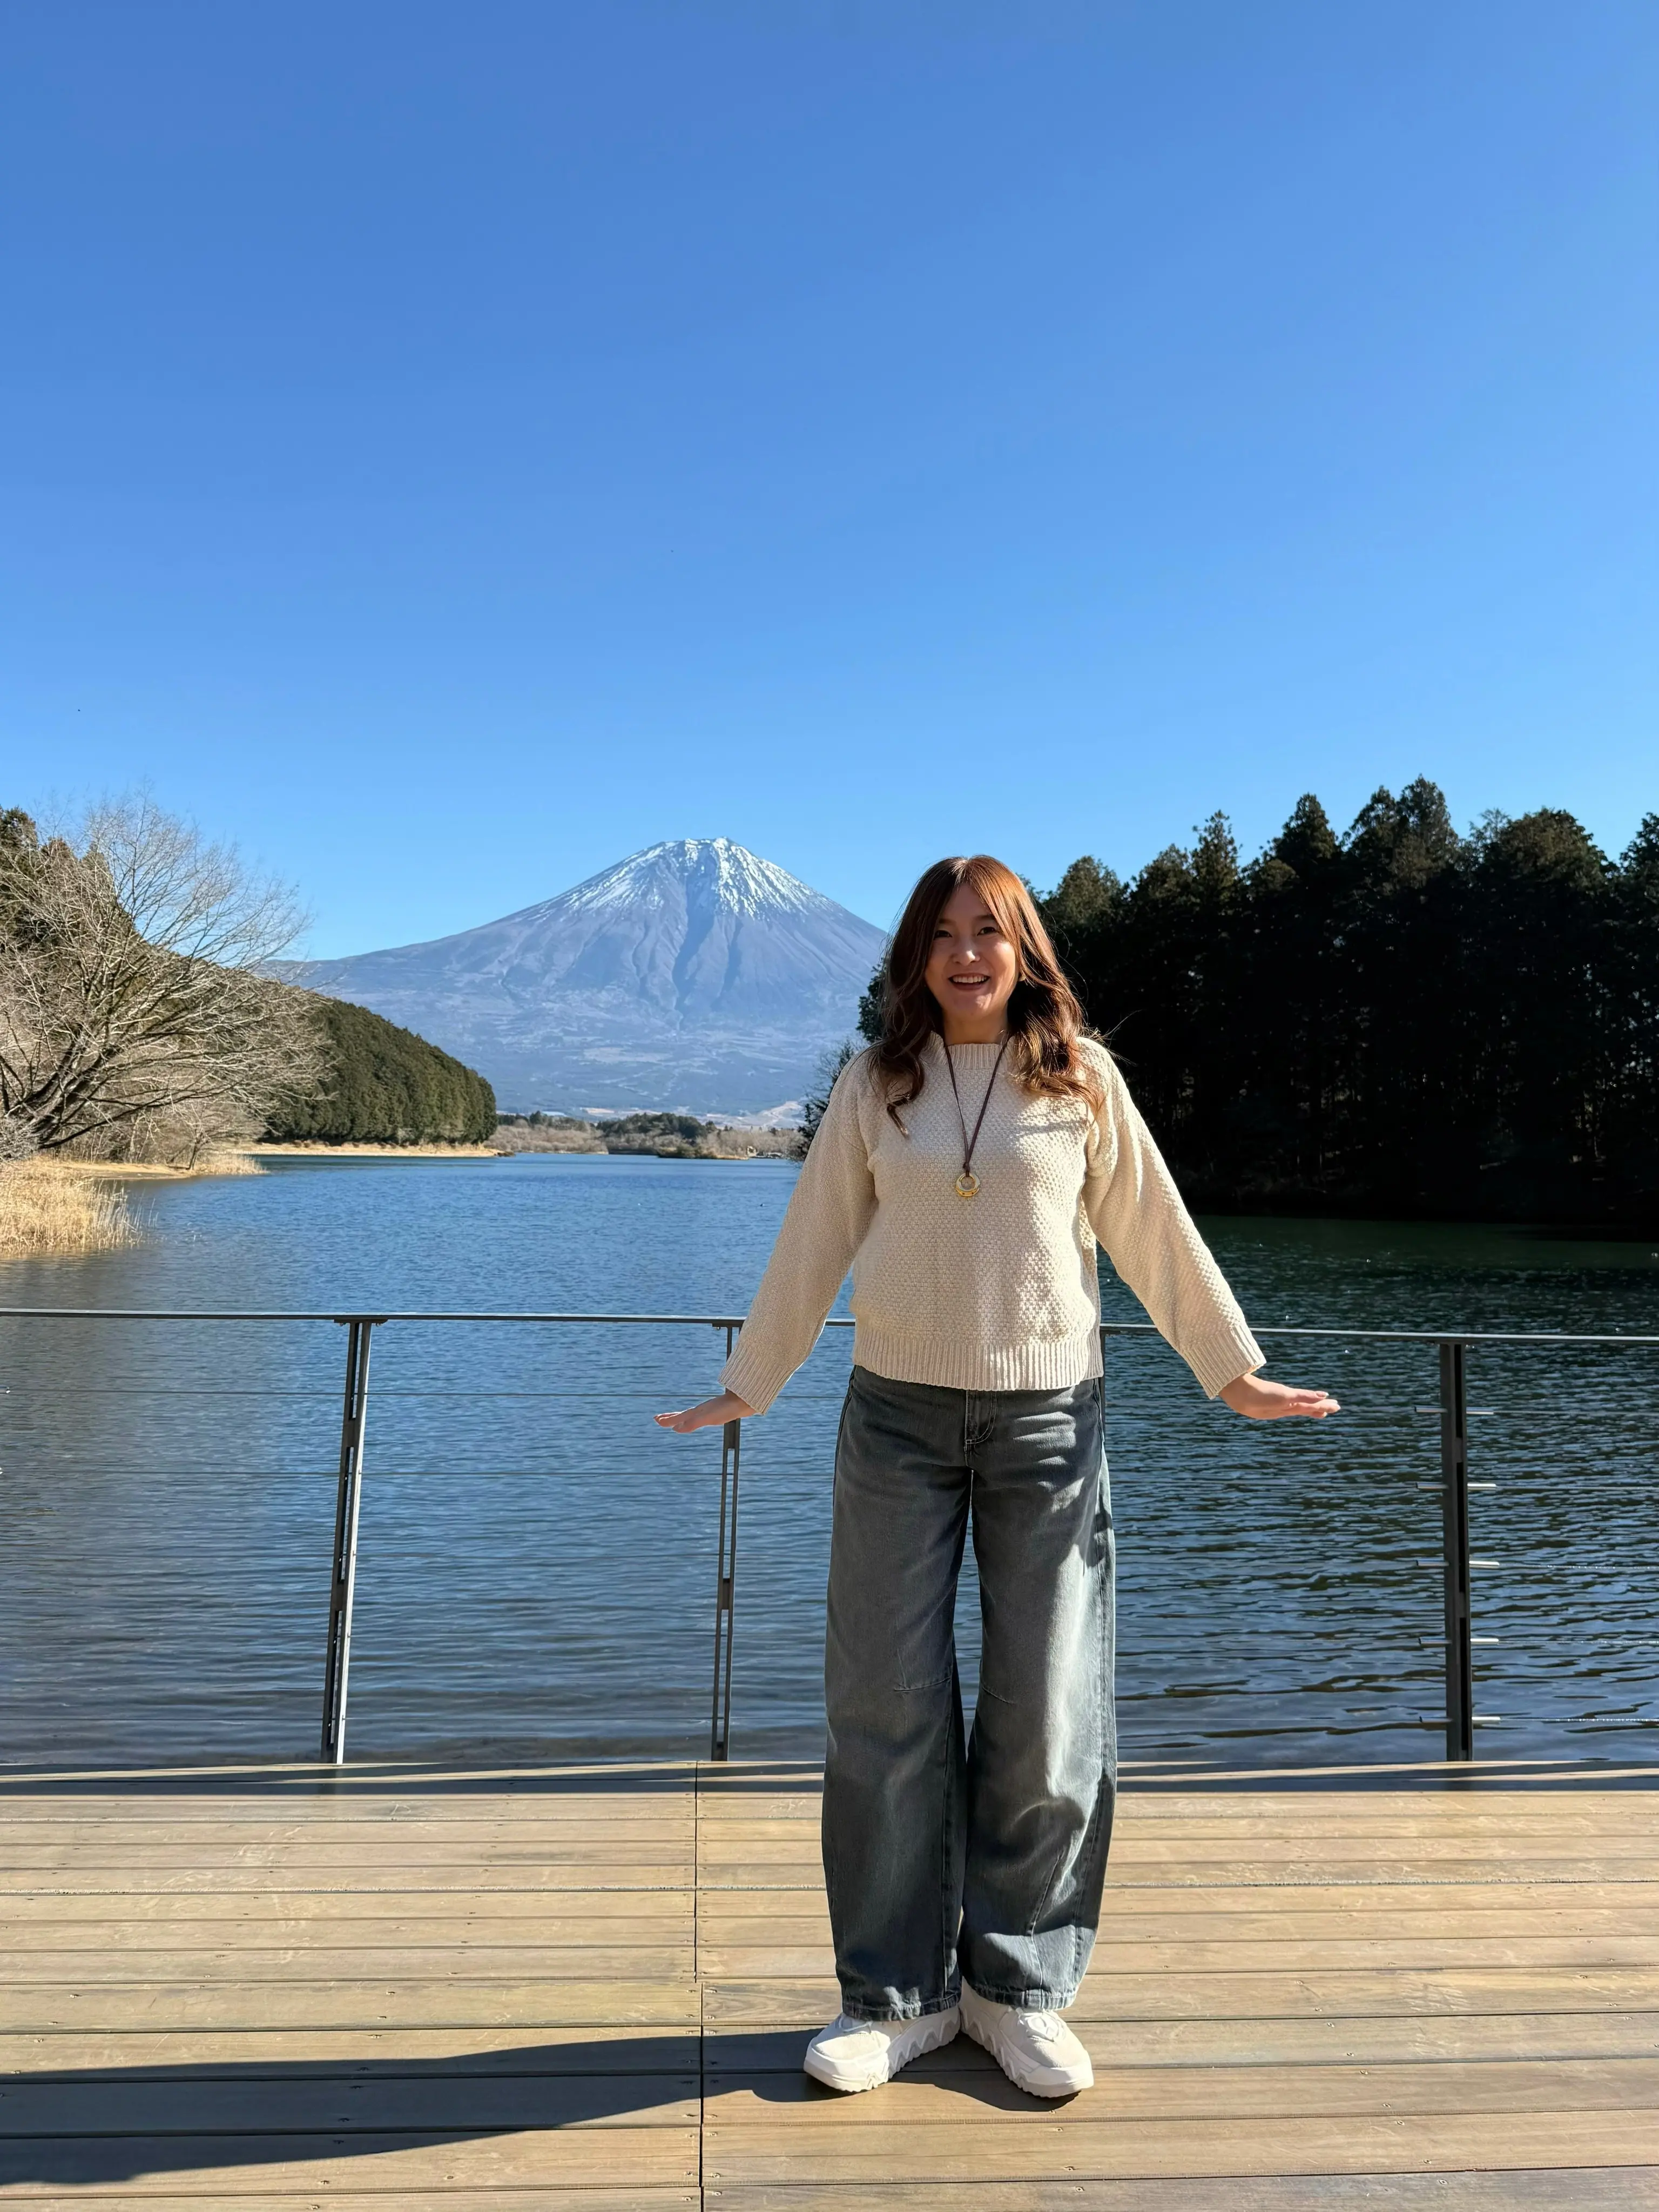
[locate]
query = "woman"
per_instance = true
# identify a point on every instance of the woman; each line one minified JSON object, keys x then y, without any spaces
{"x":965,"y":1169}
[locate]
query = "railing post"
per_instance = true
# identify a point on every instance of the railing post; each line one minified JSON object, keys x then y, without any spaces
{"x":1455,"y":1509}
{"x":719,"y":1723}
{"x":342,"y":1584}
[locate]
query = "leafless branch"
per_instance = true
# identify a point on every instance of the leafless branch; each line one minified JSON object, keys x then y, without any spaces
{"x":129,"y":990}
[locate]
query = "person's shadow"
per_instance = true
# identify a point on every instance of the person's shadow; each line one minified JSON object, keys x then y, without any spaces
{"x":92,"y":2126}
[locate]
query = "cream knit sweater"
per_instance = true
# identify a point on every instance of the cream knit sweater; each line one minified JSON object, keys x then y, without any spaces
{"x":998,"y":1292}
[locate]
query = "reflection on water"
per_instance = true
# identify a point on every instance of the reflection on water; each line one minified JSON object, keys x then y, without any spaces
{"x":536,"y":1559}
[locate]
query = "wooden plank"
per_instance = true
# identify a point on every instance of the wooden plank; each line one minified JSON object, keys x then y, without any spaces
{"x":741,"y":1916}
{"x":342,"y":2005}
{"x":1626,"y":2189}
{"x":714,"y":1804}
{"x":379,"y":2104}
{"x":792,"y":1841}
{"x":1191,"y":1837}
{"x":1433,"y":1840}
{"x":465,"y":1814}
{"x":742,"y":1873}
{"x":1367,"y":1897}
{"x":1474,"y":1792}
{"x":321,"y":2054}
{"x":367,"y":1776}
{"x":1309,"y":1817}
{"x":1633,"y":1854}
{"x":403,"y":1848}
{"x":858,"y":2157}
{"x":270,"y":2053}
{"x":1406,"y":1873}
{"x":1398,"y":1994}
{"x":1179,"y":2093}
{"x":431,"y":1963}
{"x":1488,"y":1807}
{"x":1252,"y":2043}
{"x":206,"y":1839}
{"x":1632,"y":1900}
{"x":1251,"y":1813}
{"x":369,"y":1782}
{"x":183,"y":2189}
{"x":356,"y":1931}
{"x":251,"y":1910}
{"x":724,"y":1962}
{"x":1490,"y":1779}
{"x":358,"y":1878}
{"x":553,"y":2157}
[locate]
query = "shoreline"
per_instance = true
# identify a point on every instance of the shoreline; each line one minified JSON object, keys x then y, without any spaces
{"x":161,"y":1170}
{"x":351,"y":1151}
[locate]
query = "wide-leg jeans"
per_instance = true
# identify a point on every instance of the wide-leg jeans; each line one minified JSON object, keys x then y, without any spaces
{"x":985,"y":1861}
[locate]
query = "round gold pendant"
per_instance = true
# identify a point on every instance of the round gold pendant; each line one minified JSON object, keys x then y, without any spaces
{"x":967,"y":1184}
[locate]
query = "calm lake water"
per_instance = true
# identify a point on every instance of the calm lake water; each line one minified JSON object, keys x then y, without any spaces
{"x":537,"y":1560}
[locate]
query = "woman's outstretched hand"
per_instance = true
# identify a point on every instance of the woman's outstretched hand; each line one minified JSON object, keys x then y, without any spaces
{"x":712,"y":1412}
{"x":1259,"y":1399}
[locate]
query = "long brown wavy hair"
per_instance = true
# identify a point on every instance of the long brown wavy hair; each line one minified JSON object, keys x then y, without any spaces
{"x":1045,"y":1021}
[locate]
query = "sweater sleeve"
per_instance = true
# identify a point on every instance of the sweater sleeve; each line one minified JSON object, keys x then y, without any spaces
{"x":827,"y":1214}
{"x":1136,"y":1212}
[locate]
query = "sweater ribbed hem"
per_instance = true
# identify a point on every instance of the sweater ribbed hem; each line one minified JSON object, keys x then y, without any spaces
{"x":1219,"y":1360}
{"x":754,"y":1378}
{"x":950,"y":1365}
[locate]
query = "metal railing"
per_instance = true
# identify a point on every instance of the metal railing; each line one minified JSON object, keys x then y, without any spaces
{"x":1454,"y":1485}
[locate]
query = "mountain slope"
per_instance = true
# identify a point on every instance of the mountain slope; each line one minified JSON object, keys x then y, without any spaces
{"x":694,"y":974}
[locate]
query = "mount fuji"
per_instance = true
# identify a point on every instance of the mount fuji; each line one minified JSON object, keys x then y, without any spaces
{"x":692,"y":976}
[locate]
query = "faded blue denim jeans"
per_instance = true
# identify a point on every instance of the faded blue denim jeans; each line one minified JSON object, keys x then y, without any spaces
{"x":984,"y":1861}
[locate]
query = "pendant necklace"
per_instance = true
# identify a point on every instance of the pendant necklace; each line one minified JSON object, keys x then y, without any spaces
{"x":967,"y":1183}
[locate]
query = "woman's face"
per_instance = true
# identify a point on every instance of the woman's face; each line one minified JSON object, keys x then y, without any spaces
{"x":972,"y":969}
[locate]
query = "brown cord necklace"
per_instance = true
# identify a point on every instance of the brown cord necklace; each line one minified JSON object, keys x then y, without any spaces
{"x":967,"y":1183}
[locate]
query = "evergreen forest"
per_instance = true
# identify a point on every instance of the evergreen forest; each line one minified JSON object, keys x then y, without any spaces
{"x":1397,"y":1020}
{"x":383,"y":1084}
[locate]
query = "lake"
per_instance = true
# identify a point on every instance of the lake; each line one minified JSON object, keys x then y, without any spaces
{"x":536,"y":1559}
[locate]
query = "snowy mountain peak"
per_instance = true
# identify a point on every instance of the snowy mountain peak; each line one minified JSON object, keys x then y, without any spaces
{"x":692,"y":973}
{"x":706,"y":872}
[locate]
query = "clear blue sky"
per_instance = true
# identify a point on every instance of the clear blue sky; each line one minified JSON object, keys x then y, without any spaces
{"x":447,"y":448}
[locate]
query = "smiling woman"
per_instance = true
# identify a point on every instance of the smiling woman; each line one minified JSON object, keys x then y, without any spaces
{"x":968,"y":1168}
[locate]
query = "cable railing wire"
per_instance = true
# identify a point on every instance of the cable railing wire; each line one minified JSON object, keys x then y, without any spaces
{"x":1457,"y":1562}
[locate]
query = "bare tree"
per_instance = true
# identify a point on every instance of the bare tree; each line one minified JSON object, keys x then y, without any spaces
{"x":131,"y":994}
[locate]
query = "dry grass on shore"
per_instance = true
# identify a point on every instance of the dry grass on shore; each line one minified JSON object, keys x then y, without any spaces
{"x":210,"y":1164}
{"x":225,"y":1163}
{"x":51,"y":1207}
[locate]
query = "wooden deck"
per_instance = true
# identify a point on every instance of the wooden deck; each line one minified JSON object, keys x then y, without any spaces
{"x":588,"y":1990}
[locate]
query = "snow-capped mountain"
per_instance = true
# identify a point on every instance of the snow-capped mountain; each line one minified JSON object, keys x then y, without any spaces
{"x":693,"y":976}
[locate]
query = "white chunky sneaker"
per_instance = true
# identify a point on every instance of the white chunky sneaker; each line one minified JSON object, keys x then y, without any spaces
{"x":862,"y":2054}
{"x":1036,"y":2050}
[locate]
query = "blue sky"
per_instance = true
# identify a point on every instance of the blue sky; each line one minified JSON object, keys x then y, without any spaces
{"x":446,"y":449}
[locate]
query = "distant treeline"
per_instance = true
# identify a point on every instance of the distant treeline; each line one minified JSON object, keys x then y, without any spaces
{"x":382,"y":1085}
{"x":1398,"y":1020}
{"x":660,"y":1136}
